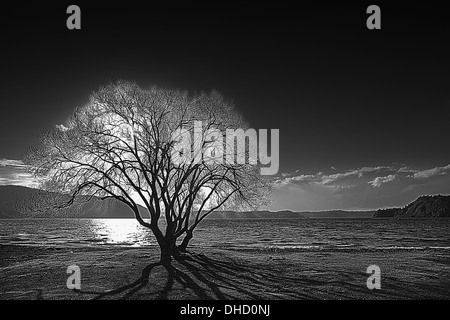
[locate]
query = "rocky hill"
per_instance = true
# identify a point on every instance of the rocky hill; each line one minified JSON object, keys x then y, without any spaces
{"x":437,"y":206}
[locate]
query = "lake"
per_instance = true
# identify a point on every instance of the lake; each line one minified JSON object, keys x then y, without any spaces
{"x":255,"y":234}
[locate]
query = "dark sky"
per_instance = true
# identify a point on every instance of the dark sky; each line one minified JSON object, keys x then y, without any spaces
{"x":344,"y":97}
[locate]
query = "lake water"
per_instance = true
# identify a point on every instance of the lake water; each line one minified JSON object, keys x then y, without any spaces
{"x":266,"y":235}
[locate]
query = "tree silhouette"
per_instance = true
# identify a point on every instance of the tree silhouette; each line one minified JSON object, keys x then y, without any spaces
{"x":124,"y":144}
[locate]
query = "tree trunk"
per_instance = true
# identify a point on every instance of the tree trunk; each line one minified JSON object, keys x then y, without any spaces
{"x":183,"y":246}
{"x":168,"y":249}
{"x":167,"y":246}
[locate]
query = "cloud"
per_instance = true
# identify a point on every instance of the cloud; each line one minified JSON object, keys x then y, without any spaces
{"x":11,"y":163}
{"x":295,"y":179}
{"x":367,"y":187}
{"x":337,"y":180}
{"x":425,"y":174}
{"x":62,"y":127}
{"x":378,"y":181}
{"x":14,"y":172}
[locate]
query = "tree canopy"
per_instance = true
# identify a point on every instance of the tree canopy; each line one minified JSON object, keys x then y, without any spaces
{"x":123,"y":145}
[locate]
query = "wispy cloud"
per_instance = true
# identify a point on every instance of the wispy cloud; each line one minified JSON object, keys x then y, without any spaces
{"x":341,"y":179}
{"x":360,"y":188}
{"x":378,"y":181}
{"x":62,"y":127}
{"x":11,"y":163}
{"x":425,"y":174}
{"x":14,"y":172}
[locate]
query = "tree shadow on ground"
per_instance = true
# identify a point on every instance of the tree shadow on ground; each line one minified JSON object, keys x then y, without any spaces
{"x":196,"y":276}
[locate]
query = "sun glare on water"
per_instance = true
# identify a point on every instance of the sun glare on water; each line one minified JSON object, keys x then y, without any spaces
{"x":119,"y":231}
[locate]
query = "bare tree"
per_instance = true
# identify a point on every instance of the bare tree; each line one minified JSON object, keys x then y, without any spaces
{"x":123,"y":145}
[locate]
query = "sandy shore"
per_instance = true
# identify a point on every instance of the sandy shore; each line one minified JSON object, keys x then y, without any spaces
{"x":133,"y":273}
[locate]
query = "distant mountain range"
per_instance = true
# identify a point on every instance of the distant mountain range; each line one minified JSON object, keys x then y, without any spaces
{"x":17,"y":202}
{"x":21,"y":202}
{"x":286,"y":214}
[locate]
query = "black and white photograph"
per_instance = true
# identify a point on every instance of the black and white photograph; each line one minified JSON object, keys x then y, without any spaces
{"x":224,"y":155}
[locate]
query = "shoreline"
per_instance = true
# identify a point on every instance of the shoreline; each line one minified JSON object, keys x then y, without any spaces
{"x":30,"y":272}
